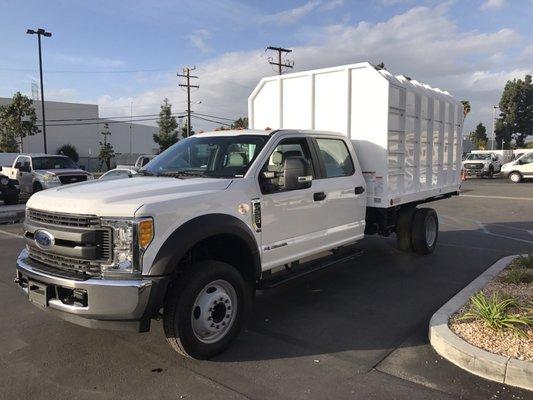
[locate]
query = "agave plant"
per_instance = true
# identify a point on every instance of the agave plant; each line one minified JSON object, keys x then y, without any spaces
{"x":493,"y":312}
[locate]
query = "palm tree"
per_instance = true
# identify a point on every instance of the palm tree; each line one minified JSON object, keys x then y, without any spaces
{"x":466,"y":108}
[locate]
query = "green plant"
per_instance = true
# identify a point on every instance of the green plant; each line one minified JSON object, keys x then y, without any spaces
{"x":69,"y":151}
{"x":517,"y":275}
{"x":493,"y":312}
{"x":524,"y":261}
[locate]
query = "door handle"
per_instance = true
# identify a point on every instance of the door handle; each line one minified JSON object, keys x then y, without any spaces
{"x":319,"y":196}
{"x":359,"y":190}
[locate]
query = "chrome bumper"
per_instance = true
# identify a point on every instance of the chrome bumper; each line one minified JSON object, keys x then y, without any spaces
{"x":109,"y":303}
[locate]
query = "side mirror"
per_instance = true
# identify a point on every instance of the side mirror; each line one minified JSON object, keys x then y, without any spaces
{"x":297,"y":173}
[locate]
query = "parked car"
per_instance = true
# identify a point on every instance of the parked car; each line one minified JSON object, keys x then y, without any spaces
{"x":221,"y":214}
{"x":9,"y":190}
{"x":119,"y":173}
{"x":139,"y":163}
{"x":36,"y":172}
{"x":519,"y":169}
{"x":482,"y":164}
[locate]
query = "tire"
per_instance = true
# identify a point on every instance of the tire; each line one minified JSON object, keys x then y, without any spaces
{"x":403,"y":228}
{"x":12,"y":200}
{"x":37,"y":187}
{"x":515,"y":177}
{"x":209,"y":289}
{"x":425,"y":231}
{"x":490,"y":175}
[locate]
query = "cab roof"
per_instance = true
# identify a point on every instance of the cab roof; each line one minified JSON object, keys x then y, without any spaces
{"x":259,"y":132}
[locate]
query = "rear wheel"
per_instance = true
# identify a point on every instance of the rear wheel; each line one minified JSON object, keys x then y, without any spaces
{"x":204,"y":310}
{"x":425,"y":231}
{"x":515,"y":177}
{"x":403,"y":228}
{"x":37,"y":187}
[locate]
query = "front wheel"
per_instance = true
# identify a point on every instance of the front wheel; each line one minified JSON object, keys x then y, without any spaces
{"x":425,"y":231}
{"x":204,"y":309}
{"x":515,"y":177}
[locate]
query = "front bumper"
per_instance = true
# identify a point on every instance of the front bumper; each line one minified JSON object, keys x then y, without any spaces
{"x":49,"y":184}
{"x":477,"y":172}
{"x":107,"y":303}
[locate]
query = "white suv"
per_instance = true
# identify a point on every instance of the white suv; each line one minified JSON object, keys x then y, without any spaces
{"x":519,"y":169}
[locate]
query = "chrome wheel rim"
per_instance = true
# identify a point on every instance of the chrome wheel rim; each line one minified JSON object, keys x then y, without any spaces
{"x":214,"y":311}
{"x":431,"y":232}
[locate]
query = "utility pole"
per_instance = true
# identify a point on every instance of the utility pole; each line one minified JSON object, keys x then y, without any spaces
{"x":131,"y":121}
{"x":494,"y":108}
{"x":187,"y":75}
{"x":279,"y":63}
{"x":41,"y":32}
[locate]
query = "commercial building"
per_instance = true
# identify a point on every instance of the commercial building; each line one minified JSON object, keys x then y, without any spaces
{"x":128,"y":140}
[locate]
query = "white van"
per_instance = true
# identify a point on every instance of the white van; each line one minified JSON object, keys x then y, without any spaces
{"x":520,"y":168}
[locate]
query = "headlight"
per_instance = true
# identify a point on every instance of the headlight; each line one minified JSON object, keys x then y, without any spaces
{"x":49,"y":178}
{"x":90,"y":177}
{"x":4,"y":181}
{"x":131,"y":237}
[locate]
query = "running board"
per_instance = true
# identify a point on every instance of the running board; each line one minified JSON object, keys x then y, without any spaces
{"x":308,"y":268}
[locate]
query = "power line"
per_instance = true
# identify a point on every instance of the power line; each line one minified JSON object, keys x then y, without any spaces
{"x":56,"y":71}
{"x":211,"y":120}
{"x":187,"y":74}
{"x":106,"y":122}
{"x":280,"y":64}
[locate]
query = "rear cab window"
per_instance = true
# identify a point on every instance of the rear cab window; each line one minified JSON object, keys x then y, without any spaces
{"x":335,"y":157}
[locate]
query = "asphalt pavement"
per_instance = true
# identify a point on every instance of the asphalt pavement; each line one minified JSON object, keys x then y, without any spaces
{"x":356,"y":330}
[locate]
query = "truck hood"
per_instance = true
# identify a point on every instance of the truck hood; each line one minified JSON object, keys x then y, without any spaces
{"x":121,"y":197}
{"x":61,"y":171}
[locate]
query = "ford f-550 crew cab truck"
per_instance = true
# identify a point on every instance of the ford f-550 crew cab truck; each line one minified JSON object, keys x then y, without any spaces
{"x":221,"y":214}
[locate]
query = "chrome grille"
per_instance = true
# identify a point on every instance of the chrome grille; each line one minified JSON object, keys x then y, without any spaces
{"x":63,"y":263}
{"x":73,"y":220}
{"x":66,"y":179}
{"x":473,"y":166}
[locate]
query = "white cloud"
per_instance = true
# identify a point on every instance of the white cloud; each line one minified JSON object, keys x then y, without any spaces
{"x":199,"y":39}
{"x":88,"y":60}
{"x":64,"y":94}
{"x":423,"y":42}
{"x":294,"y":14}
{"x":492,"y":5}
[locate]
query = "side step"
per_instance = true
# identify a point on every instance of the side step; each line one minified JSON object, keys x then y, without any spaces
{"x":300,"y":270}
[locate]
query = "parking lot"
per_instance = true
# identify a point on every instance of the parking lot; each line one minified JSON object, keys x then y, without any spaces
{"x":357,"y":330}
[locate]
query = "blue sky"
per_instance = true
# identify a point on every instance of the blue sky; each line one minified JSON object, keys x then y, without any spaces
{"x":116,"y":52}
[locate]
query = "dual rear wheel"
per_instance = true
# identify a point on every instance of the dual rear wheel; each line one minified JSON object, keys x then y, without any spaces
{"x":417,"y":230}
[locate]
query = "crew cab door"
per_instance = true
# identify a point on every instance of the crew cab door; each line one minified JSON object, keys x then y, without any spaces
{"x":24,"y":175}
{"x":344,"y":186}
{"x":292,"y":221}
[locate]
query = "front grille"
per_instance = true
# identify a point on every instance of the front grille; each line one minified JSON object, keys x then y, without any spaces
{"x":66,"y":179}
{"x":68,"y":264}
{"x":72,"y":220}
{"x":474,"y":166}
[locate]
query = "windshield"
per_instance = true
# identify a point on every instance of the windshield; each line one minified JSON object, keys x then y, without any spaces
{"x":53,"y":163}
{"x":210,"y":156}
{"x":478,"y":157}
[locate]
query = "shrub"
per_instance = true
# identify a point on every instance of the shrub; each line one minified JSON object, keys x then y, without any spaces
{"x":493,"y":312}
{"x":517,"y":275}
{"x":524,"y":261}
{"x":69,"y":151}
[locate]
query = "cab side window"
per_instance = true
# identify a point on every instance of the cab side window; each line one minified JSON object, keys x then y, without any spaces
{"x":335,"y":157}
{"x":271,"y":178}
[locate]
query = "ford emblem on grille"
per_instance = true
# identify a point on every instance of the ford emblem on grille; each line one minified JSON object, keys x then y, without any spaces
{"x":44,"y":239}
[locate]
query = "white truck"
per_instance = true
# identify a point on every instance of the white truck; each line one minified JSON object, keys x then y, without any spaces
{"x":36,"y":172}
{"x":222,"y":214}
{"x":483,"y":163}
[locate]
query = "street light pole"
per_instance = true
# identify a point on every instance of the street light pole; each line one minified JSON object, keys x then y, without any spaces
{"x":494,"y":127}
{"x":41,"y":32}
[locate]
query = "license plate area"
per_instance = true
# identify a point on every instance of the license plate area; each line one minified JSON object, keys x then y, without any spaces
{"x":38,"y":293}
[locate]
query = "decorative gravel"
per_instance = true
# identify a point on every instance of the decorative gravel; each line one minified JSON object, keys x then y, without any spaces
{"x":505,"y":342}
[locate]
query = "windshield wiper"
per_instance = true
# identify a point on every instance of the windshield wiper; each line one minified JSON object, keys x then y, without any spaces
{"x":144,"y":172}
{"x":182,"y":174}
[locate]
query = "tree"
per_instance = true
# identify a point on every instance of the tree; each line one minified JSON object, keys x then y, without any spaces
{"x":184,"y":130}
{"x":69,"y":151}
{"x":466,"y":107}
{"x":241,"y":123}
{"x":167,"y":134}
{"x":106,"y":149}
{"x":502,"y":133}
{"x":479,"y":137}
{"x":516,"y":111}
{"x":17,"y":120}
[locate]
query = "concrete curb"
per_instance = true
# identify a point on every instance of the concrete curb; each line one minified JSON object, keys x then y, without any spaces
{"x":466,"y":356}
